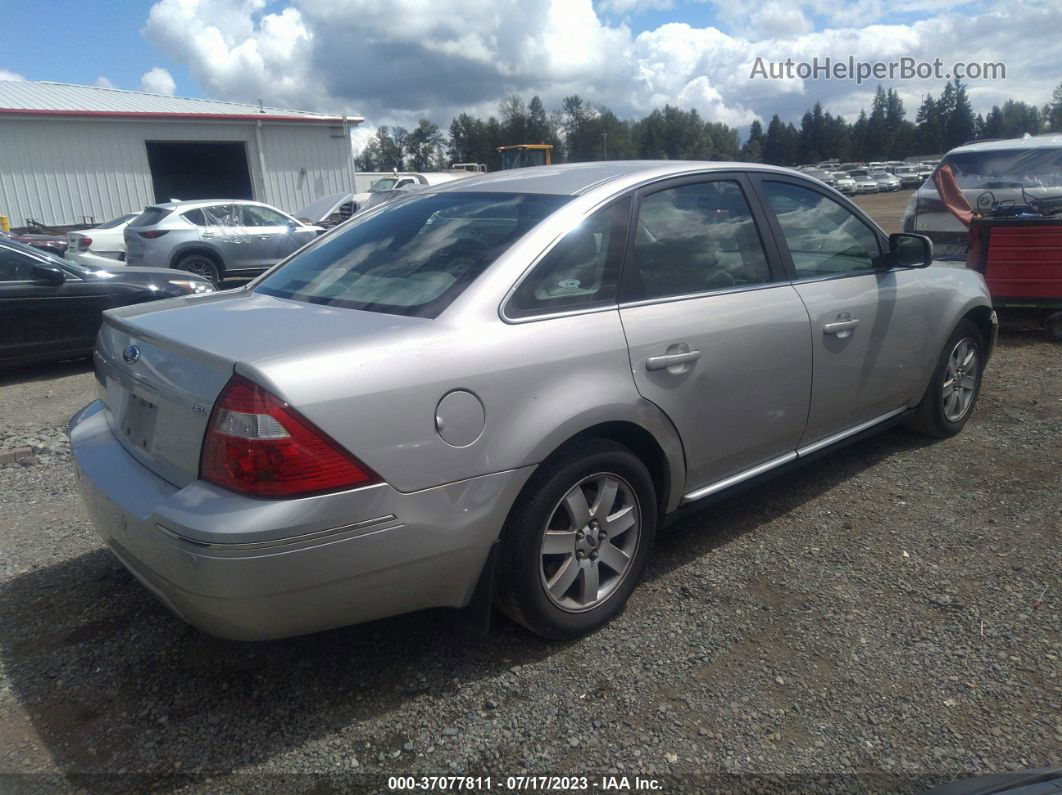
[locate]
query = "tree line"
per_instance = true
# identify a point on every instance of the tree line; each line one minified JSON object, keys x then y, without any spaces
{"x":583,"y":131}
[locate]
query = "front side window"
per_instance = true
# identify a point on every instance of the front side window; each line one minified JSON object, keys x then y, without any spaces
{"x":15,"y":266}
{"x":581,"y":270}
{"x":253,"y":215}
{"x":824,"y":238}
{"x":413,"y":256}
{"x":694,"y":238}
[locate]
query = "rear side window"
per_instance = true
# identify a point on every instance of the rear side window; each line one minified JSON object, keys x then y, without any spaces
{"x":581,"y":270}
{"x":413,"y":256}
{"x":694,"y":238}
{"x":195,"y":217}
{"x":150,"y":216}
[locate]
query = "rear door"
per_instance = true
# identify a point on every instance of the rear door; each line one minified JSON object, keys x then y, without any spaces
{"x":717,"y":337}
{"x":221,"y":226}
{"x":868,"y":324}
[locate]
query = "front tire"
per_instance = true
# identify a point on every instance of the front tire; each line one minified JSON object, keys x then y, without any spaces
{"x":577,"y":540}
{"x":956,"y":383}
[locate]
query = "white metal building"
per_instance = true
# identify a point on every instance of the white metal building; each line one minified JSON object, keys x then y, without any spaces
{"x":70,"y":154}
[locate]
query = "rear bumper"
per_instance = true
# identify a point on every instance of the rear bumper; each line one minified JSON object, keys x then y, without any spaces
{"x":249,"y":569}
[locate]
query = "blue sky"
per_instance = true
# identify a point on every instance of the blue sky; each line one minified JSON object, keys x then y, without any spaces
{"x":398,"y":61}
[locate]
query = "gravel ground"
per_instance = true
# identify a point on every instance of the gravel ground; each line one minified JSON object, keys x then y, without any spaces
{"x":885,"y":208}
{"x":887,"y":616}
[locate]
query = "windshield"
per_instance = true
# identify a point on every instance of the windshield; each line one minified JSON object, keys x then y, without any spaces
{"x":412,"y":256}
{"x":383,"y":184}
{"x":1009,"y":168}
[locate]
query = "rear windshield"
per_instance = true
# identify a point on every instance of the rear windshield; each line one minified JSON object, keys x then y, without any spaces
{"x":121,"y":219}
{"x":413,"y":256}
{"x":150,"y":216}
{"x":1008,"y":168}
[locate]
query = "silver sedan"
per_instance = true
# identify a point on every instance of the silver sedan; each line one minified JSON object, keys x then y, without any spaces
{"x":496,"y":390}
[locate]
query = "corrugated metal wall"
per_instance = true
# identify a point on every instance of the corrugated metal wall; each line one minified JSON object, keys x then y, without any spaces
{"x":58,"y":170}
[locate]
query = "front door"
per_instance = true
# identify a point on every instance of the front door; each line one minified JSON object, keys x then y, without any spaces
{"x":868,"y":323}
{"x":272,"y":235}
{"x":717,"y":337}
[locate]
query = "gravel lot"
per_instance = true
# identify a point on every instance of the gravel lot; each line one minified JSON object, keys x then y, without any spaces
{"x":888,"y":616}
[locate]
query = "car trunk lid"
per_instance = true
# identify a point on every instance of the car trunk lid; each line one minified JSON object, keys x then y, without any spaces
{"x":160,"y":369}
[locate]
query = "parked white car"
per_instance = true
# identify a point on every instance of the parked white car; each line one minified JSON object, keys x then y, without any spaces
{"x":100,"y":246}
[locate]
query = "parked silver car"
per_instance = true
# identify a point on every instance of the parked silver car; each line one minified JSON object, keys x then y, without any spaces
{"x":863,"y":181}
{"x":843,"y":182}
{"x":885,"y":180}
{"x":214,"y":239}
{"x":497,"y":389}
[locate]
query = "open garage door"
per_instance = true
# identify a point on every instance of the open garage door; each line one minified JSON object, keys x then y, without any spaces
{"x":196,"y":170}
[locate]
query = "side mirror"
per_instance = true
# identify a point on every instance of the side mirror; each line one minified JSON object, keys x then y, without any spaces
{"x":50,"y":274}
{"x":910,"y":250}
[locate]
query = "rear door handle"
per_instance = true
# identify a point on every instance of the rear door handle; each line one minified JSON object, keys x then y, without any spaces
{"x":671,"y":360}
{"x":842,"y":328}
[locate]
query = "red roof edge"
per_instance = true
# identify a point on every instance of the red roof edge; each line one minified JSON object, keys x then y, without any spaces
{"x":134,"y":114}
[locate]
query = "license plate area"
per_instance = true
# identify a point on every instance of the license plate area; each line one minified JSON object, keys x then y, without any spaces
{"x":138,"y":419}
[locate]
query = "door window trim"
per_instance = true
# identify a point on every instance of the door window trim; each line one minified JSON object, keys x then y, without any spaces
{"x":785,"y":257}
{"x":775,"y":265}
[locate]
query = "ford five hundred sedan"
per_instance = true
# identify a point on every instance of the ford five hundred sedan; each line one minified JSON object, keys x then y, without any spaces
{"x":497,"y":389}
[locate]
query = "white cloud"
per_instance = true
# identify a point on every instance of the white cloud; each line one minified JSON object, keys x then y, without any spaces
{"x":158,"y":81}
{"x":8,"y":75}
{"x":104,"y":82}
{"x":396,"y":61}
{"x":627,"y":6}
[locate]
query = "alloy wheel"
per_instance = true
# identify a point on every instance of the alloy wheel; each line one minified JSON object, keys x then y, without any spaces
{"x":590,"y":542}
{"x":960,"y":380}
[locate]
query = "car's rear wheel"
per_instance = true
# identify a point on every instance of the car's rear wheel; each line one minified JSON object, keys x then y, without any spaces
{"x":956,"y":383}
{"x":577,"y":540}
{"x":200,"y":265}
{"x":1053,"y":327}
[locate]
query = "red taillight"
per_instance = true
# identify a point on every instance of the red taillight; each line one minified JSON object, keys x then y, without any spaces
{"x":151,"y":234}
{"x":258,"y":445}
{"x":83,"y":243}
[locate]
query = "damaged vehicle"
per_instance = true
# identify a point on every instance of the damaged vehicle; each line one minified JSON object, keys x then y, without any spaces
{"x":494,"y":391}
{"x":214,"y":239}
{"x":1003,"y":179}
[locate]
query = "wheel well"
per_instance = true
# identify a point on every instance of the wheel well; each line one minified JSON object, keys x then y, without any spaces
{"x":205,"y":252}
{"x":642,"y":444}
{"x":981,"y":316}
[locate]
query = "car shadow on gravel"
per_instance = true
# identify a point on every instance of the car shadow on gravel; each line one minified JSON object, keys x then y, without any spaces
{"x":44,"y":371}
{"x":112,"y":682}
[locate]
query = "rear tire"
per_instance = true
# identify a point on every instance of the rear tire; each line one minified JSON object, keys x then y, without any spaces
{"x":949,"y":400}
{"x":201,"y":265}
{"x":577,"y":540}
{"x":1053,"y":327}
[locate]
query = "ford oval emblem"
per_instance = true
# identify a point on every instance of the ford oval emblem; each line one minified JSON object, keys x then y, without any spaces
{"x":131,"y":354}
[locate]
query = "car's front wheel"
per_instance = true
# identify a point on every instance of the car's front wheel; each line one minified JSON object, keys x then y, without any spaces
{"x":950,"y":398}
{"x":577,"y":540}
{"x":200,"y":265}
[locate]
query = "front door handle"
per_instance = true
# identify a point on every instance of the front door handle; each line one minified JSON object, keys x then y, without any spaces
{"x":842,"y":328}
{"x":671,"y":360}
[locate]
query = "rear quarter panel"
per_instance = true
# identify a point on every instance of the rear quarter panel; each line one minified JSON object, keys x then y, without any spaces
{"x":540,"y":384}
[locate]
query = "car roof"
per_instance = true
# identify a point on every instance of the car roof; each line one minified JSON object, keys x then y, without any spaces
{"x":1031,"y":142}
{"x":572,"y":179}
{"x":190,"y":203}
